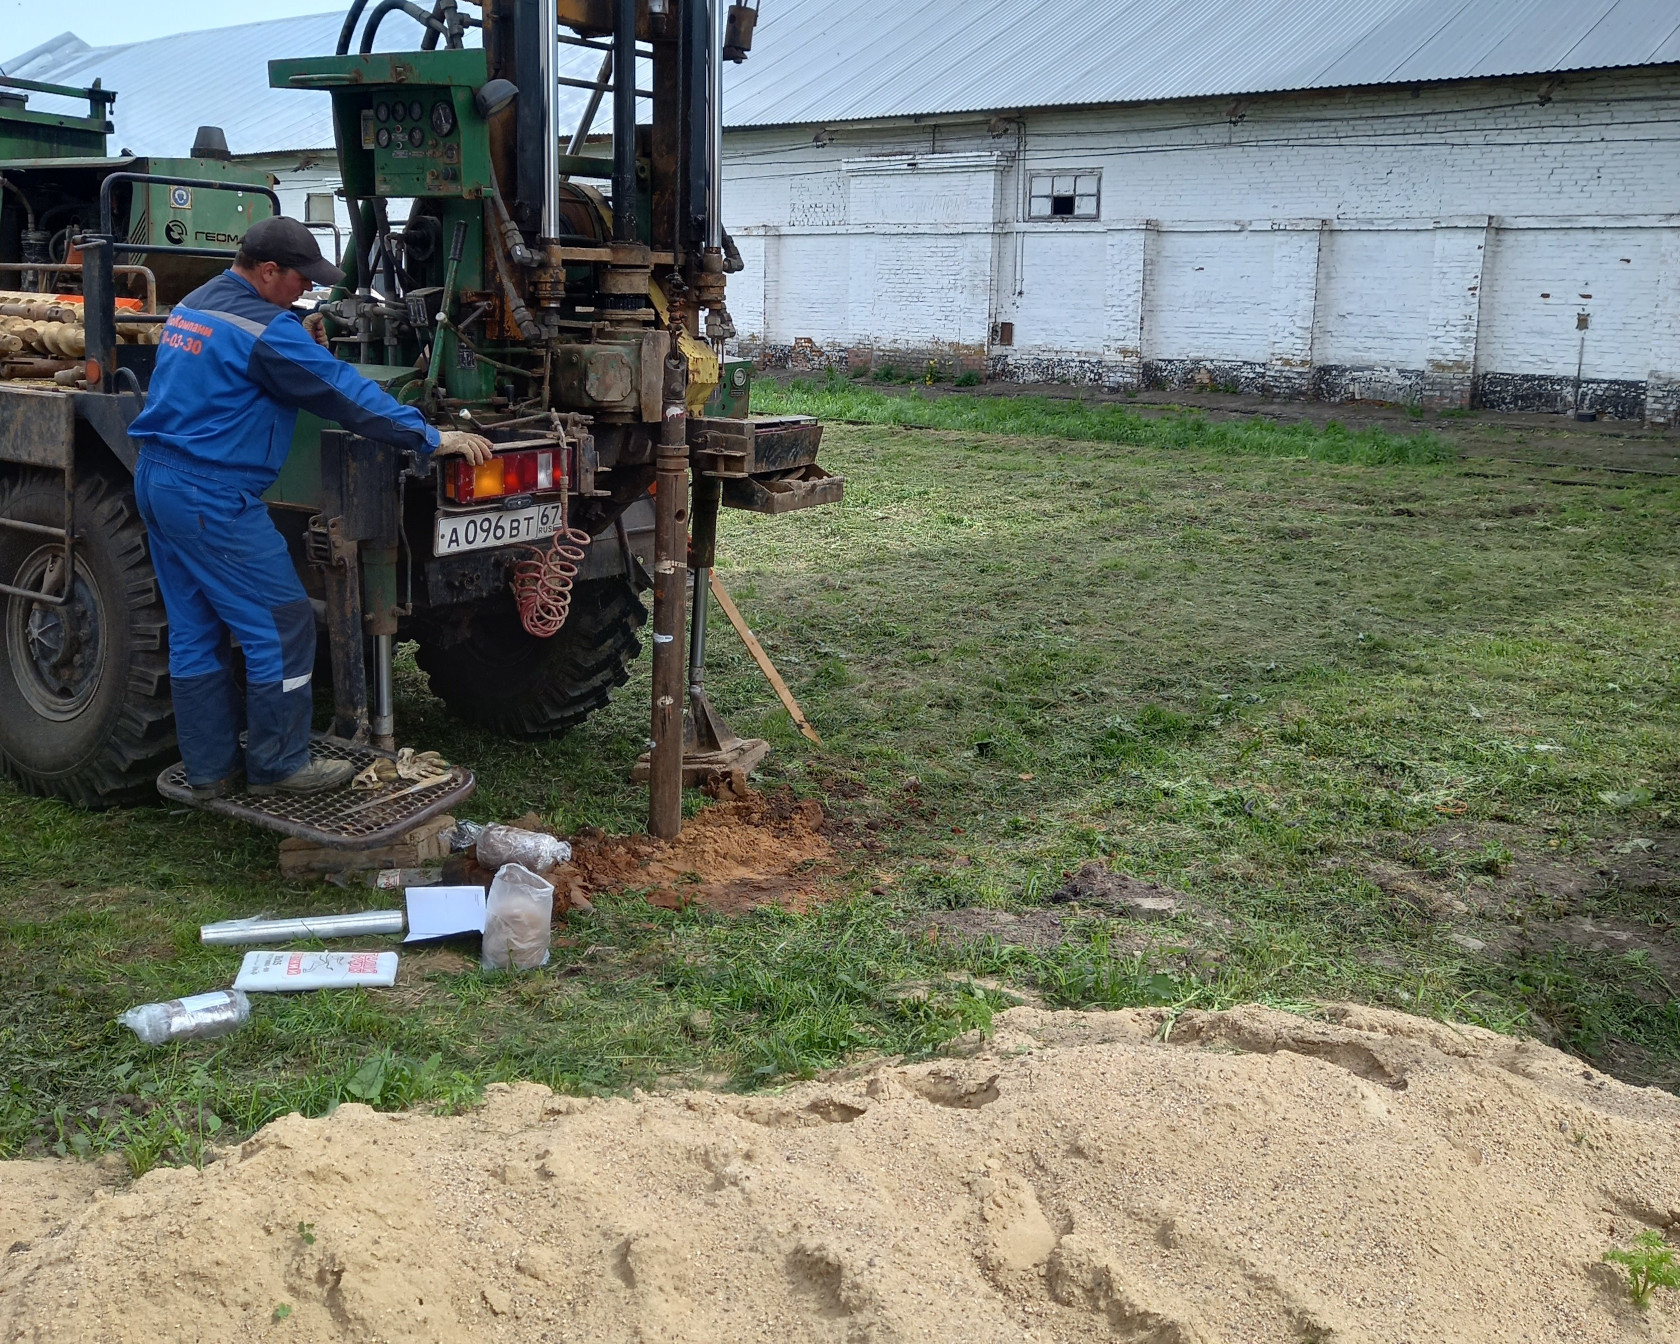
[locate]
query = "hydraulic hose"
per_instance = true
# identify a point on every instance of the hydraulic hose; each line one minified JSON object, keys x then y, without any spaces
{"x":521,"y":315}
{"x":348,"y":32}
{"x":387,"y":6}
{"x":28,"y":208}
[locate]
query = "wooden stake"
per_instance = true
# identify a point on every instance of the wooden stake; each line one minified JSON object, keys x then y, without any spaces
{"x":763,"y":660}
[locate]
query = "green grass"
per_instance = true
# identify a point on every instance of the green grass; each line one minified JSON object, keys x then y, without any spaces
{"x":833,"y":399}
{"x":1270,"y":680}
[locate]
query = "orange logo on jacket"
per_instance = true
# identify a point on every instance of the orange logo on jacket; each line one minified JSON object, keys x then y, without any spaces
{"x":182,"y":333}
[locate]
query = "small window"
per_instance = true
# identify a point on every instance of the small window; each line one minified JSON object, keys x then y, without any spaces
{"x":318,"y":208}
{"x":1064,"y":196}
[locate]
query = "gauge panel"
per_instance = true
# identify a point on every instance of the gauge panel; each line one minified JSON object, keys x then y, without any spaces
{"x":416,"y":141}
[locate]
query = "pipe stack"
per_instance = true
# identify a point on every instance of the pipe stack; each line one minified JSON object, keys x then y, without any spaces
{"x":39,"y":332}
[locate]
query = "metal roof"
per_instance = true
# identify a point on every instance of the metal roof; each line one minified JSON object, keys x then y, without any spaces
{"x":814,"y":61}
{"x":168,"y":87}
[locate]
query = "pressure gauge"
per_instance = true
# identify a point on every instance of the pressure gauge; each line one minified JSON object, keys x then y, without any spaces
{"x":417,"y":136}
{"x":416,"y":111}
{"x":382,"y":137}
{"x":381,"y":112}
{"x":443,"y":118}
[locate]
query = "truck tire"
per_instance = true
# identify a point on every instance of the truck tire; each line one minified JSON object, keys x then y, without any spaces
{"x":84,"y":690}
{"x":513,"y":683}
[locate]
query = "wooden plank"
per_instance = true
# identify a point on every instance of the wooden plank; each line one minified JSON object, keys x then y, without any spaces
{"x":763,"y":660}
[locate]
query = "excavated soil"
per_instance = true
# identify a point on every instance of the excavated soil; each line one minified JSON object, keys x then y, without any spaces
{"x":1254,"y":1178}
{"x":730,"y":857}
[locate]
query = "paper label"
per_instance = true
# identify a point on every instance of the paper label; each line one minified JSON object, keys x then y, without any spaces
{"x":315,"y":970}
{"x":195,"y":1002}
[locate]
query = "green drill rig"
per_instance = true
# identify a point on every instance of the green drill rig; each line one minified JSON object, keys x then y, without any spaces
{"x":569,"y":306}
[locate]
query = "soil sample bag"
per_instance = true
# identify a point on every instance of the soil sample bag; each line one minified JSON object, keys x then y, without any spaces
{"x":518,"y":918}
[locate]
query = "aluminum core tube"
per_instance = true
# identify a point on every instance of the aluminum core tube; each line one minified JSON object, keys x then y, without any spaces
{"x":230,"y":932}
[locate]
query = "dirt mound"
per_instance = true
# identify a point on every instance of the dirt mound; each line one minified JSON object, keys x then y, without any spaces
{"x":730,"y":856}
{"x":1254,"y":1178}
{"x":1096,"y":884}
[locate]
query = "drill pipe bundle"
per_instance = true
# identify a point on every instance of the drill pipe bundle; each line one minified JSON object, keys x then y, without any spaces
{"x":53,"y":325}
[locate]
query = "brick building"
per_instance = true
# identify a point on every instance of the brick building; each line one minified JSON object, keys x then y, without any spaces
{"x":1411,"y":200}
{"x":1441,"y":201}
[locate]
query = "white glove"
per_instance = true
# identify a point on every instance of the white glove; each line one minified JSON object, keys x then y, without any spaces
{"x":458,"y":443}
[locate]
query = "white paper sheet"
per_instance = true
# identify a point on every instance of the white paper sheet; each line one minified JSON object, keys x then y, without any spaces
{"x":442,"y":912}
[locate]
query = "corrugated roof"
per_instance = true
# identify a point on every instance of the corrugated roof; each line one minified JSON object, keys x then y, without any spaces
{"x":169,"y":86}
{"x":814,"y":61}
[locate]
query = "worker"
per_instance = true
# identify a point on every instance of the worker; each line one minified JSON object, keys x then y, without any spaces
{"x":235,"y":365}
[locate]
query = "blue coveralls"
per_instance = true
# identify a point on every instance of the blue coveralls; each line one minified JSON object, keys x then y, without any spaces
{"x":233,"y":370}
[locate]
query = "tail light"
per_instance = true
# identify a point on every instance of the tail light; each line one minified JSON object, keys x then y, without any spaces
{"x":526,"y":472}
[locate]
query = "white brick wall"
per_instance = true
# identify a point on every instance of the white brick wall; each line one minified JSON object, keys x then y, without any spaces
{"x":1374,"y":242}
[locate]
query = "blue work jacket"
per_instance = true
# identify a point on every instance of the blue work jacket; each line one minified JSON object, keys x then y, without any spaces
{"x":233,"y":371}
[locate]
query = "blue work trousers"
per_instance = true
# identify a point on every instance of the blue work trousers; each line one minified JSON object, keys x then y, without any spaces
{"x":223,"y":567}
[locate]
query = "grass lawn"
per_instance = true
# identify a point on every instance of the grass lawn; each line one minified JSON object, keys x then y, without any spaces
{"x":1395,"y":728}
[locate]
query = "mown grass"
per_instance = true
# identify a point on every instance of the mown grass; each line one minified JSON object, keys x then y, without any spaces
{"x":1268,"y":680}
{"x":835,"y":400}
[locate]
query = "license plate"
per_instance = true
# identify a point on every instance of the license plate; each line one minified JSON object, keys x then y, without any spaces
{"x":458,"y":532}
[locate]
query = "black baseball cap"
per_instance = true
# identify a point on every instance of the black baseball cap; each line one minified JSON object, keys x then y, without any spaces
{"x":286,"y":242}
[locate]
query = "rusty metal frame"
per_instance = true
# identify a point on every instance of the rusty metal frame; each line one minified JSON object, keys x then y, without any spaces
{"x":76,"y":266}
{"x":67,"y":532}
{"x":107,"y":228}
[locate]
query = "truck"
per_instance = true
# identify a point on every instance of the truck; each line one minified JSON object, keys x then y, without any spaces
{"x":502,"y":275}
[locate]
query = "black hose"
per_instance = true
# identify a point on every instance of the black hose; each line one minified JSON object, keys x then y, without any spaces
{"x":346,"y":33}
{"x":28,"y":207}
{"x":378,"y":16}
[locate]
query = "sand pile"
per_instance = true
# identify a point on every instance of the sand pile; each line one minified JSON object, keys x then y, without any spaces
{"x":1256,"y":1178}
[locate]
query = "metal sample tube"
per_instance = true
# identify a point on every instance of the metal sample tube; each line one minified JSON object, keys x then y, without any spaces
{"x":361,"y":924}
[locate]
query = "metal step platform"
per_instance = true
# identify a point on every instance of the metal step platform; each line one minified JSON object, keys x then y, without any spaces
{"x":342,"y":818}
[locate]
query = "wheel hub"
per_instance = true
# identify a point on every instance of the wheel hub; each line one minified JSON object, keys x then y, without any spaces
{"x":55,"y":650}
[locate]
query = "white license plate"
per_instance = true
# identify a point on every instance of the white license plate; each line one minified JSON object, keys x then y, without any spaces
{"x":458,"y":532}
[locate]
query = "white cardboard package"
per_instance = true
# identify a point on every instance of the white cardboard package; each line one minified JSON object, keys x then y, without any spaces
{"x":270,"y":971}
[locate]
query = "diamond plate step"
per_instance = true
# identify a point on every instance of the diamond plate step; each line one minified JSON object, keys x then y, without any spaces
{"x":343,"y":818}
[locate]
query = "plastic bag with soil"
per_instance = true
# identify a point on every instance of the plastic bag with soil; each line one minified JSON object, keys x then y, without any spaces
{"x":518,"y":920}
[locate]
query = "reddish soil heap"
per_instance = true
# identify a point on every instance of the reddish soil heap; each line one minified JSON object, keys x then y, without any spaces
{"x":729,"y":857}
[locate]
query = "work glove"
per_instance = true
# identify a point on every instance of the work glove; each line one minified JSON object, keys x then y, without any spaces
{"x":458,"y":443}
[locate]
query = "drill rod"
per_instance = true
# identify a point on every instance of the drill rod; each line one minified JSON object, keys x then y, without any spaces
{"x":670,"y":581}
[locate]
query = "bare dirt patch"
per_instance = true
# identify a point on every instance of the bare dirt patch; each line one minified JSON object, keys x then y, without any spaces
{"x":1255,"y":1176}
{"x":730,"y":857}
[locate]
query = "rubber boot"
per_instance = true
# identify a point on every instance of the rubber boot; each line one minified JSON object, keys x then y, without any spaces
{"x":316,"y":777}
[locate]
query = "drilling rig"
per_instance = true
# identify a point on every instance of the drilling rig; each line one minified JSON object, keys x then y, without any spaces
{"x":503,"y":276}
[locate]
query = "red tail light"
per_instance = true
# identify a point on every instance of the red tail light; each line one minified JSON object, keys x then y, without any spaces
{"x":526,"y":472}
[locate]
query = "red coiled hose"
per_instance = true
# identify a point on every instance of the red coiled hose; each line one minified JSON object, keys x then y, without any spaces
{"x":542,"y":585}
